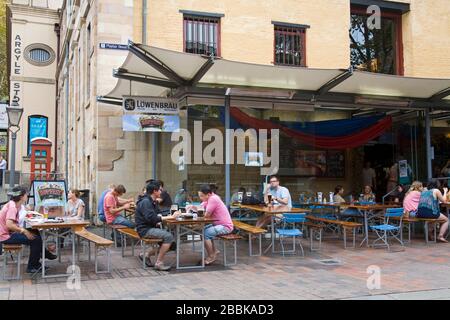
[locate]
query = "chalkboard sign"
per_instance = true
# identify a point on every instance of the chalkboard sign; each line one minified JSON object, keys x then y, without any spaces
{"x":335,"y":164}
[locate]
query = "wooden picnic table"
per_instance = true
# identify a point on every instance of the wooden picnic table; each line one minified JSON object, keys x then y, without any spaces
{"x":328,"y":204}
{"x":273,"y":211}
{"x":46,"y":227}
{"x":365,"y":209}
{"x":186,"y":226}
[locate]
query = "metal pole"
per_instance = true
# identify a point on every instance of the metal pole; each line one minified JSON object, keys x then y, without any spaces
{"x":154,"y":150}
{"x":154,"y":134}
{"x":428,"y":142}
{"x":227,"y":151}
{"x":12,"y":169}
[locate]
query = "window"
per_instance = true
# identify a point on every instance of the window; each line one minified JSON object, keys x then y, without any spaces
{"x":37,"y":128}
{"x":376,"y":50}
{"x":39,"y":54}
{"x":290,"y":47}
{"x":202,"y":35}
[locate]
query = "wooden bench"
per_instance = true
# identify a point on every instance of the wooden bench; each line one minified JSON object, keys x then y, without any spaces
{"x":99,"y":242}
{"x":408,"y":221}
{"x":134,"y":236}
{"x":345,"y":225}
{"x":114,"y":228}
{"x":251,"y":231}
{"x":314,"y":228}
{"x":231,"y":237}
{"x":11,"y":249}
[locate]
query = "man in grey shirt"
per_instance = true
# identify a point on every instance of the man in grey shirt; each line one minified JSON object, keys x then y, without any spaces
{"x":280,"y":197}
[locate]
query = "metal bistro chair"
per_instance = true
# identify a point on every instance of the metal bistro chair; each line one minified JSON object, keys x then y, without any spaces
{"x":285,"y":232}
{"x":386,"y":230}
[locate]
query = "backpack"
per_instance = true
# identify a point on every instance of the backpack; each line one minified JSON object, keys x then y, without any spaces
{"x":252,"y":200}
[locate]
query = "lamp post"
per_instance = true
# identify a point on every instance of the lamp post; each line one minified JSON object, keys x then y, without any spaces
{"x":14,"y":116}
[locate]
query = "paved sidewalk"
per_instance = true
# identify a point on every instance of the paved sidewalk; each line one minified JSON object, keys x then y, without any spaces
{"x":419,"y":272}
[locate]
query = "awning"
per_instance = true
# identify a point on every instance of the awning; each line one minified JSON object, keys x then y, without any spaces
{"x":151,"y":71}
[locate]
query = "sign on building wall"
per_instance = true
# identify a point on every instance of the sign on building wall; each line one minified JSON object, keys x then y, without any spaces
{"x":113,"y":46}
{"x":3,"y":142}
{"x":153,"y":114}
{"x":150,"y":123}
{"x":16,"y":70}
{"x":37,"y":128}
{"x":155,"y":105}
{"x":3,"y":116}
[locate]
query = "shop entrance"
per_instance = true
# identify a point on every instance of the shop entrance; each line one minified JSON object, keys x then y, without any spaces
{"x":381,"y":158}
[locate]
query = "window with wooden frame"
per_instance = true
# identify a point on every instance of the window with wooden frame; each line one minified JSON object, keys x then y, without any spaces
{"x":201,"y":35}
{"x":290,"y":45}
{"x":376,"y":50}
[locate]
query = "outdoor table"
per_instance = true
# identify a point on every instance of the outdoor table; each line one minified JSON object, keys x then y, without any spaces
{"x":188,"y":226}
{"x":365,"y":210}
{"x":49,"y":227}
{"x":447,"y":208}
{"x":335,"y":206}
{"x":273,"y":212}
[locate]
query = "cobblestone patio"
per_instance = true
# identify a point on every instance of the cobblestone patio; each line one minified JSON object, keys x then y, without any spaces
{"x":419,"y":272}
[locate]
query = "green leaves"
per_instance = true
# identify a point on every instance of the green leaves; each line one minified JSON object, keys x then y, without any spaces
{"x":4,"y":89}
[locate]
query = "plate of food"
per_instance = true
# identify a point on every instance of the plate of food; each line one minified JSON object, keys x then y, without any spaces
{"x":35,"y":220}
{"x":187,"y":216}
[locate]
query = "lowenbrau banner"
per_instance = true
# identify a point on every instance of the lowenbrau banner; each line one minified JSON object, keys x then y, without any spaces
{"x":153,"y":105}
{"x":150,"y":122}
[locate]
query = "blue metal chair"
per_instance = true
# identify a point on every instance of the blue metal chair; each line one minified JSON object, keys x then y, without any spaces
{"x":291,"y":219}
{"x":388,"y":230}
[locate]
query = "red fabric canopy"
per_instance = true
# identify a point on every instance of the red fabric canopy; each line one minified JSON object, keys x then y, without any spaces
{"x":344,"y":142}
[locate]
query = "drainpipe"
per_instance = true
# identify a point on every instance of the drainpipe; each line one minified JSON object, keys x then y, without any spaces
{"x":57,"y":99}
{"x":154,"y":134}
{"x":66,"y":114}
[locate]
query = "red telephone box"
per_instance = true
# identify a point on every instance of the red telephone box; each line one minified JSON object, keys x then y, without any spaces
{"x":41,"y":164}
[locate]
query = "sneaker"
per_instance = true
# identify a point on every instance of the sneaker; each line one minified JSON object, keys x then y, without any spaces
{"x":161,"y":267}
{"x":148,"y":262}
{"x":36,"y":269}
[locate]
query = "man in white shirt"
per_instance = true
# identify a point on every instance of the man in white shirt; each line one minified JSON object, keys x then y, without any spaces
{"x":369,"y":176}
{"x":2,"y":169}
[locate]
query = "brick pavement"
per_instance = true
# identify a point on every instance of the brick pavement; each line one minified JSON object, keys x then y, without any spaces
{"x":418,"y":272}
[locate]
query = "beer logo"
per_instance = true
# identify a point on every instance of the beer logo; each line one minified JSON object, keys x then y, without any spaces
{"x":130,"y":104}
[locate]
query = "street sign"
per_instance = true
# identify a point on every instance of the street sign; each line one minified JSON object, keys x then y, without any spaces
{"x":113,"y":46}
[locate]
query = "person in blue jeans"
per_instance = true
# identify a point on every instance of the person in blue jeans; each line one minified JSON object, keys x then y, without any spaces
{"x":12,"y":233}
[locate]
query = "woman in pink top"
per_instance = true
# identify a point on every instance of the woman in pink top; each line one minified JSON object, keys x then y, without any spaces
{"x":412,"y":198}
{"x":215,"y":209}
{"x":12,"y":233}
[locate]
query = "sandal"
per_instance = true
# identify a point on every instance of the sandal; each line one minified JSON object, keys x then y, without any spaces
{"x":209,"y":261}
{"x":442,"y":240}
